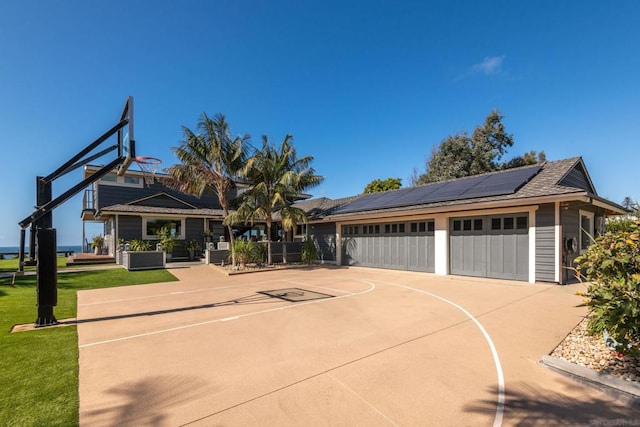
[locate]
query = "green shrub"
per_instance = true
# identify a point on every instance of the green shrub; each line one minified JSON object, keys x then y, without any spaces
{"x":244,"y":251}
{"x":612,"y":264}
{"x":260,"y":253}
{"x":309,"y":250}
{"x":139,"y":245}
{"x":616,"y":225}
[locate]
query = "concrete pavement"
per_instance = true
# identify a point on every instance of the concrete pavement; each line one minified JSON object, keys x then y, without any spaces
{"x":389,"y":348}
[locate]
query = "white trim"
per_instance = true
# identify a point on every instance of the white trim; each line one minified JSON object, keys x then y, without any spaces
{"x":338,"y":243}
{"x":441,"y":243}
{"x":145,"y":218}
{"x":532,"y":245}
{"x":558,"y":244}
{"x":591,"y":216}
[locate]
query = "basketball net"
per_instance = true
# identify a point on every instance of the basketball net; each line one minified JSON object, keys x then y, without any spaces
{"x":149,"y":167}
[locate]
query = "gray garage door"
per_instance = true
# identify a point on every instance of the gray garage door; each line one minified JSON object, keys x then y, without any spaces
{"x":491,"y":246}
{"x":400,"y":246}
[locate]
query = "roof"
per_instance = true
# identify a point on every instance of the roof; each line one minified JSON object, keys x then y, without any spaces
{"x":544,"y":180}
{"x":154,"y":210}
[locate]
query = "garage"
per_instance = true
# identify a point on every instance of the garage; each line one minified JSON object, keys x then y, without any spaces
{"x":400,"y":245}
{"x":495,"y":246}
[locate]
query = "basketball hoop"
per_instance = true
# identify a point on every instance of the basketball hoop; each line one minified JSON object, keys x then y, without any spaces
{"x":149,"y":167}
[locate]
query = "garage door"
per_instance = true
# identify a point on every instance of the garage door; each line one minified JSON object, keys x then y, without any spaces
{"x":400,"y":246}
{"x":491,"y":246}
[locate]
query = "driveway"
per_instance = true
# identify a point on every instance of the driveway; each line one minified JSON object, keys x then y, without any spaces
{"x":330,"y":346}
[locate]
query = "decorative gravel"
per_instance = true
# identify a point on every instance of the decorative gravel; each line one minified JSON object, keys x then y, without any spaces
{"x":590,"y":351}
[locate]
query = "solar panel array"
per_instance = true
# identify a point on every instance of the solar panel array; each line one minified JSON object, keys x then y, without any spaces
{"x":496,"y":184}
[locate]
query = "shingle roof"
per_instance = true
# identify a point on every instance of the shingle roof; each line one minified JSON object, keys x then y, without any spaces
{"x":137,"y":209}
{"x":545,"y":183}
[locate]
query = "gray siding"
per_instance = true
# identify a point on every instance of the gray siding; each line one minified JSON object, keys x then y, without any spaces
{"x":108,"y":195}
{"x":194,"y":229}
{"x":163,"y":201}
{"x":142,"y":260}
{"x":545,"y":243}
{"x":129,"y":227}
{"x":577,"y":178}
{"x":570,"y":220}
{"x":325,"y":237}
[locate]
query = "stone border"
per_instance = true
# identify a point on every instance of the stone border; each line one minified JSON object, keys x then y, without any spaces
{"x":624,"y":391}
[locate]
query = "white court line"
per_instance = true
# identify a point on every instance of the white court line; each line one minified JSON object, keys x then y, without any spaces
{"x":497,"y":421}
{"x":208,"y":322}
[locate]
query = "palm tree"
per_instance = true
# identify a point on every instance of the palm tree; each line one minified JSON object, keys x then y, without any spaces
{"x":277,"y":178}
{"x":210,"y":159}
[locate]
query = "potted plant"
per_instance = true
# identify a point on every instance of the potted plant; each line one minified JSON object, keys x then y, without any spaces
{"x":192,"y":246}
{"x":167,"y":241}
{"x":141,"y":257}
{"x":97,"y":244}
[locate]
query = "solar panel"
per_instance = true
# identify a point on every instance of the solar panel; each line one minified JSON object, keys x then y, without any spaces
{"x":496,"y":184}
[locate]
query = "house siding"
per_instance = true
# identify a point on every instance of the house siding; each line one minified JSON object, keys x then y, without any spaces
{"x":109,"y":195}
{"x":129,"y":227}
{"x":325,"y":238}
{"x":577,"y":178}
{"x":545,"y":243}
{"x":194,"y":229}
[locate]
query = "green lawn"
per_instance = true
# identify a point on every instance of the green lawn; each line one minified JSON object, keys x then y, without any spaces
{"x":11,"y":265}
{"x":39,"y":377}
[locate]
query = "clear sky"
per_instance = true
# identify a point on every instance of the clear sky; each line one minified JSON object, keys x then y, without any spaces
{"x":366,"y":87}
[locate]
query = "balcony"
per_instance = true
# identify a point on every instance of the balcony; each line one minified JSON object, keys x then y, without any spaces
{"x":88,"y":206}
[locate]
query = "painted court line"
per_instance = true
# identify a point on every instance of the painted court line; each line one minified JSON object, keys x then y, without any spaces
{"x":497,"y":422}
{"x":209,"y":322}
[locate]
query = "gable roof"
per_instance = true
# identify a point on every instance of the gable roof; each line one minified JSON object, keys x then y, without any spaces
{"x":161,"y":196}
{"x":562,"y":179}
{"x":155,"y":210}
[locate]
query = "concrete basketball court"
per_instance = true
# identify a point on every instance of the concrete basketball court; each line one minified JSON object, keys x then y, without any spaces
{"x":387,"y":348}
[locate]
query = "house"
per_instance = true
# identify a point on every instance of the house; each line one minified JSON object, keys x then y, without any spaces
{"x":130,"y":209}
{"x":527,"y":224}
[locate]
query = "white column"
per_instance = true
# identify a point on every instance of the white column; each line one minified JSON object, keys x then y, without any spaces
{"x":441,"y":238}
{"x":532,"y":245}
{"x":557,"y":247}
{"x":338,"y":244}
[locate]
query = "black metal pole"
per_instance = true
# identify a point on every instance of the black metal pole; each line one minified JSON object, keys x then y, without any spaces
{"x":21,"y":254}
{"x":47,"y":268}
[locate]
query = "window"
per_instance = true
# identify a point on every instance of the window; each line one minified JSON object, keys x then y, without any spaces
{"x":422,"y":227}
{"x":131,"y":179}
{"x":466,"y":225}
{"x":110,"y":178}
{"x":521,"y":223}
{"x":394,"y":228}
{"x":586,"y":230}
{"x":508,"y":223}
{"x":496,"y":223}
{"x":387,"y":228}
{"x":364,"y":229}
{"x":377,"y":229}
{"x":456,"y":225}
{"x":431,"y":226}
{"x":401,"y":228}
{"x":477,"y":224}
{"x":414,"y":227}
{"x":152,"y":225}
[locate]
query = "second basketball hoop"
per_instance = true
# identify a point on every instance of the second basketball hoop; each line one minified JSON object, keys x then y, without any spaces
{"x":149,"y":166}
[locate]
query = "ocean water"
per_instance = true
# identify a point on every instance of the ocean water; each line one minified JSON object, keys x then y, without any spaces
{"x":15,"y":249}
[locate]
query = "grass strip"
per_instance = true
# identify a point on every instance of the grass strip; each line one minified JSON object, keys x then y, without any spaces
{"x":39,"y":369}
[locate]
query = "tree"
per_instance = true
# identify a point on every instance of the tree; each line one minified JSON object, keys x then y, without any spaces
{"x":629,"y":204}
{"x":462,"y":155}
{"x":378,"y":185}
{"x":277,"y":178}
{"x":530,"y":158}
{"x":210,"y":159}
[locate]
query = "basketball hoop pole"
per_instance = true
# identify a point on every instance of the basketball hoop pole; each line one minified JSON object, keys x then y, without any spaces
{"x":43,"y":235}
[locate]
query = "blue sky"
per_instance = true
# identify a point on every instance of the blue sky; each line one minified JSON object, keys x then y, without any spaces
{"x":366,"y":87}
